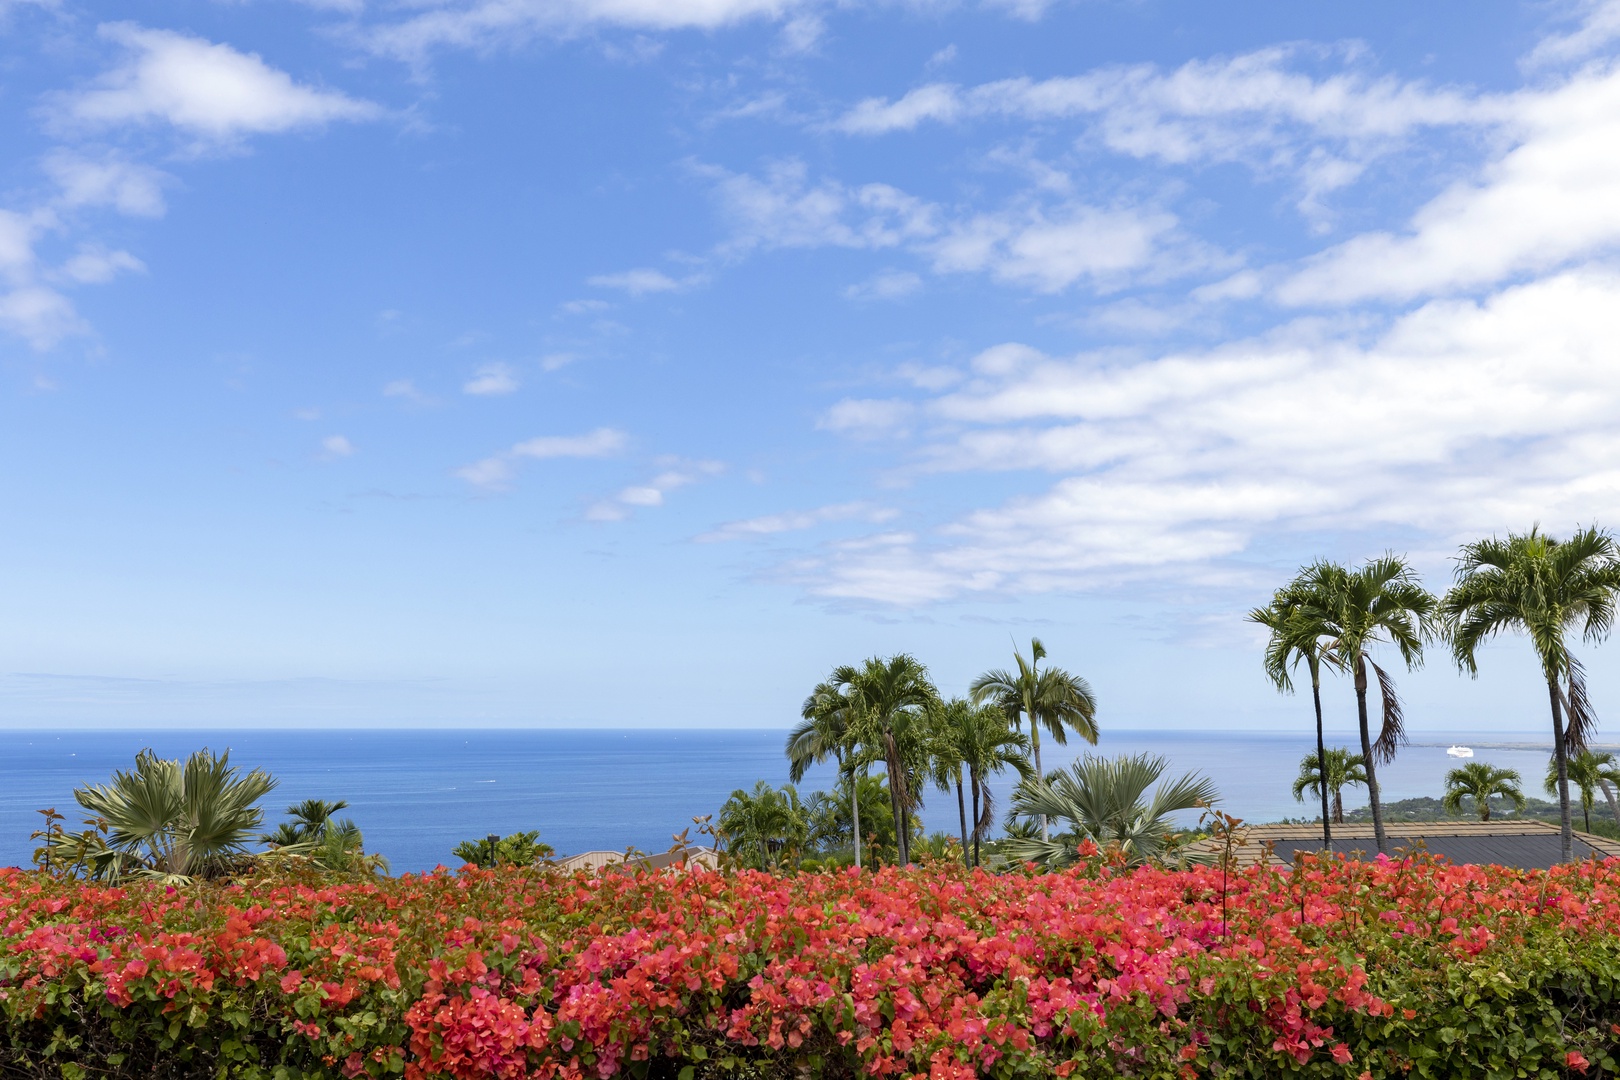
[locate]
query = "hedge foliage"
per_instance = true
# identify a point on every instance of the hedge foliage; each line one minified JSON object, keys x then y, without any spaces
{"x":1340,"y":969}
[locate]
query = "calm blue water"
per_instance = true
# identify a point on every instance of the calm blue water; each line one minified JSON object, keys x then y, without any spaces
{"x":416,"y":794}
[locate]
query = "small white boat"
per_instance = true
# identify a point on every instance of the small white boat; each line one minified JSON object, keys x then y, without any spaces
{"x":1460,"y":751}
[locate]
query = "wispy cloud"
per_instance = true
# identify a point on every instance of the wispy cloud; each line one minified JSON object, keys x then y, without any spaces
{"x":336,"y":446}
{"x":643,"y":280}
{"x":796,"y":521}
{"x":496,"y":472}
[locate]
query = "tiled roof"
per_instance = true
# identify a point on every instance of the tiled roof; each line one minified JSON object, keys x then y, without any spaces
{"x":1527,"y":845}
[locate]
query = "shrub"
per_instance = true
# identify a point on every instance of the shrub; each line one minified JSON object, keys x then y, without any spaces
{"x":1410,"y":967}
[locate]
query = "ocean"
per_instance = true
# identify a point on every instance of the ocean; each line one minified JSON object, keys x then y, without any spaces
{"x":417,"y":793}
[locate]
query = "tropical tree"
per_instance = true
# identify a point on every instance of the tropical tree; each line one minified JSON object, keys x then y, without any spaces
{"x":886,"y":715}
{"x":1381,"y":602}
{"x":1052,"y":699}
{"x":825,"y":731}
{"x":830,"y":820}
{"x":1106,"y":801}
{"x":981,"y":743}
{"x":766,"y":825}
{"x":494,"y":850}
{"x":1340,"y":767}
{"x":1300,"y":636}
{"x":180,"y":820}
{"x":1481,"y":783}
{"x":1587,"y":771}
{"x":1545,"y":588}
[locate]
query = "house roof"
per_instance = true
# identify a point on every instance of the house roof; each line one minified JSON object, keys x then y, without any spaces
{"x":696,"y":857}
{"x":1527,"y":845}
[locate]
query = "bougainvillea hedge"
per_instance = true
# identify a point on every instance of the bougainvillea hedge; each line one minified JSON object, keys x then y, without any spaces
{"x":1405,"y":968}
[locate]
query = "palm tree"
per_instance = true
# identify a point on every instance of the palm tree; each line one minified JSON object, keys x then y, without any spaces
{"x":1340,"y":766}
{"x":310,"y":819}
{"x":1105,"y":800}
{"x":180,"y":821}
{"x":1299,"y":636}
{"x":1052,"y":699}
{"x":1587,"y":770}
{"x":825,"y":731}
{"x":1482,"y":783}
{"x":765,"y":825}
{"x":1608,"y":775}
{"x":1542,"y":587}
{"x":887,"y":700}
{"x":830,"y":820}
{"x":979,"y":741}
{"x":945,"y":720}
{"x":1356,"y":610}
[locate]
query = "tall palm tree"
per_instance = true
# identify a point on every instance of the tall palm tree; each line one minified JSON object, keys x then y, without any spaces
{"x":825,"y":731}
{"x":1544,"y":588}
{"x":1482,"y":783}
{"x":1051,"y":699}
{"x":1340,"y":767}
{"x":979,"y":741}
{"x":1381,"y":602}
{"x":1299,"y":636}
{"x":830,"y":820}
{"x":945,"y":720}
{"x":1587,"y":770}
{"x":1106,"y":801}
{"x":177,"y":820}
{"x":886,"y":718}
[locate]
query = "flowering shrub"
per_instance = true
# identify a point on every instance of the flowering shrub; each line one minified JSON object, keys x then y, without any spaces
{"x":1411,"y":967}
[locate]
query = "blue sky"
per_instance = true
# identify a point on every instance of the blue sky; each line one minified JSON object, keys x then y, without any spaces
{"x":627,"y":362}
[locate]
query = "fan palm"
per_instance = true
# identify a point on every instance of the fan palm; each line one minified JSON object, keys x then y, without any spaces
{"x":1051,"y":699}
{"x":1299,"y":636}
{"x":1542,"y":587}
{"x":887,"y":701}
{"x":1106,"y":801}
{"x":1340,"y":767}
{"x":180,"y":820}
{"x":1381,"y":602}
{"x":1482,"y":783}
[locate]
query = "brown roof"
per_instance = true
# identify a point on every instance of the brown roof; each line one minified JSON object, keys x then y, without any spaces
{"x":1528,"y":845}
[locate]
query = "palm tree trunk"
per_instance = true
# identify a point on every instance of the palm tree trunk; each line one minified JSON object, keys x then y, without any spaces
{"x":855,"y":811}
{"x":1561,"y":756}
{"x":1040,"y":773}
{"x":961,"y":810}
{"x":1321,"y":759}
{"x":897,"y":796}
{"x":1608,"y":793}
{"x":1367,"y":754}
{"x":973,"y":782}
{"x":1338,"y":806}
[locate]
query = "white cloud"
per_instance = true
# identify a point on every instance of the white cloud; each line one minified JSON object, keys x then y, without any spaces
{"x":1046,"y":246}
{"x":490,"y":24}
{"x":1203,"y":109}
{"x":795,"y":521}
{"x":1549,"y":198}
{"x":205,"y":89}
{"x":1598,"y":28}
{"x":403,"y":388}
{"x":492,"y":379}
{"x":1459,"y":418}
{"x":131,"y":188}
{"x":867,"y":417}
{"x":675,"y":473}
{"x":783,"y":209}
{"x":885,"y":285}
{"x":95,"y":266}
{"x":336,"y":446}
{"x":640,"y":281}
{"x":497,"y":471}
{"x":40,"y":316}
